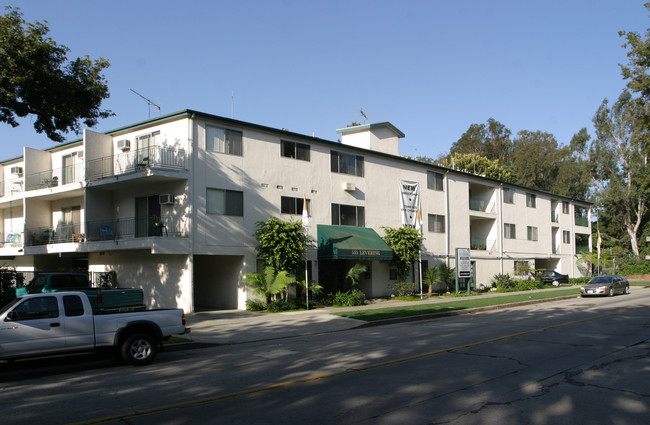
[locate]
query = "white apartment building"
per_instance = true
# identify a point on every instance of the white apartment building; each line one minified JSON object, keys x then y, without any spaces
{"x":171,"y":204}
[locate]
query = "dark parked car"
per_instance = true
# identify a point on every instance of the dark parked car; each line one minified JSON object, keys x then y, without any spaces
{"x":606,"y":285}
{"x":554,"y":278}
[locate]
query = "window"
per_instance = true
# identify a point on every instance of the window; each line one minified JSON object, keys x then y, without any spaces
{"x":348,"y":215}
{"x":222,"y":140}
{"x":508,"y":196}
{"x":565,"y":207}
{"x":434,"y":180}
{"x":531,"y":200}
{"x":295,"y":150}
{"x":289,"y":205}
{"x":37,"y":308}
{"x":509,"y":231}
{"x":347,"y":164}
{"x":225,"y":202}
{"x":436,"y":223}
{"x":566,"y":236}
{"x":531,"y":233}
{"x":73,"y":305}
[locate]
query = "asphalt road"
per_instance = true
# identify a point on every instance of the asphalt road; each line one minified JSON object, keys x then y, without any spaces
{"x":577,"y":361}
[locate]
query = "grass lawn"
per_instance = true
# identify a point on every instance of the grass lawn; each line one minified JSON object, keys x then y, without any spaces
{"x":452,"y":305}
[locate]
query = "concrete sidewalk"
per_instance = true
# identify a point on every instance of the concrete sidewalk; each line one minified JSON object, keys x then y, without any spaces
{"x":239,"y":326}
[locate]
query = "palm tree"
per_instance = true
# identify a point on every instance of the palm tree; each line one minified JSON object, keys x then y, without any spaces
{"x":270,"y":283}
{"x":447,"y":275}
{"x":431,"y":277}
{"x":354,"y":273}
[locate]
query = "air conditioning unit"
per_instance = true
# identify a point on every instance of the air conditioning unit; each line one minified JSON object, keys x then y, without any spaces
{"x":124,"y":144}
{"x":349,"y":187}
{"x":17,"y":170}
{"x":166,"y":199}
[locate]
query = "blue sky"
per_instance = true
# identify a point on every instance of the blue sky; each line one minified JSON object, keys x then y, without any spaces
{"x":431,"y":68}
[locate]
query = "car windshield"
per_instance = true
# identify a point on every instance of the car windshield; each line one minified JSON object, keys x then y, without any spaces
{"x":601,"y":279}
{"x":11,"y":304}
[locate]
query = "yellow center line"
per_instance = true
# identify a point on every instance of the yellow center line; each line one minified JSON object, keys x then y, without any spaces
{"x":307,"y":380}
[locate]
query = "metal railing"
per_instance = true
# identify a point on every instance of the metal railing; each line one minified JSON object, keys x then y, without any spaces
{"x":136,"y":160}
{"x":54,"y":177}
{"x":477,"y":205}
{"x":101,"y":230}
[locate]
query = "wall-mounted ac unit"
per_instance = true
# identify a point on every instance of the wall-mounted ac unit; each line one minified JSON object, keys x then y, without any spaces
{"x":166,"y":199}
{"x":349,"y":187}
{"x":17,"y":170}
{"x":124,"y":144}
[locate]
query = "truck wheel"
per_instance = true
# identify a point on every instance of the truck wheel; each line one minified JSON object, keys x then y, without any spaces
{"x":139,"y":349}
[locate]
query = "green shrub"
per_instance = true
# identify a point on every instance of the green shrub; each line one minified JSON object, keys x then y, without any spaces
{"x":579,"y":280}
{"x":527,"y":285}
{"x":501,"y":282}
{"x":402,"y":289}
{"x":631,"y":266}
{"x":255,"y":305}
{"x":344,"y":299}
{"x":277,"y":306}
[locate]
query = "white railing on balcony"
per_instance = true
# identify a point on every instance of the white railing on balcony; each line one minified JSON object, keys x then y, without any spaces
{"x":137,"y":160}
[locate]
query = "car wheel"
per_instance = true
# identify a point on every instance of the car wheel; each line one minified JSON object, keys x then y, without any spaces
{"x":627,"y":289}
{"x":611,"y":291}
{"x":556,"y":283}
{"x":139,"y":349}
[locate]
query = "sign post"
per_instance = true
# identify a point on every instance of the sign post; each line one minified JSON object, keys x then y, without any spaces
{"x":463,"y":267}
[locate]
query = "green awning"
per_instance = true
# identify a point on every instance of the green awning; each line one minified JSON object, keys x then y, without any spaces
{"x":351,"y":243}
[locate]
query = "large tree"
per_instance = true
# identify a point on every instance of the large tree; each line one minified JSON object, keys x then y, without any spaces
{"x":619,"y":167}
{"x":37,"y":79}
{"x":282,"y":244}
{"x":536,"y":158}
{"x":491,"y":140}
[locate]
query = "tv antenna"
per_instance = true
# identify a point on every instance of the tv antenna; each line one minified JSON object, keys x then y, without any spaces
{"x":363,"y":114}
{"x":149,"y":102}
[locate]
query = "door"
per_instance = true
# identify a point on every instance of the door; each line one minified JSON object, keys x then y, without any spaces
{"x":68,"y":169}
{"x":36,"y":326}
{"x":147,"y":213}
{"x":79,"y":327}
{"x":70,"y":223}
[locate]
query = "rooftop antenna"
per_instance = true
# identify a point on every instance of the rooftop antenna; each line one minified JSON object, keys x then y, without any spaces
{"x":363,"y":114}
{"x":149,"y":102}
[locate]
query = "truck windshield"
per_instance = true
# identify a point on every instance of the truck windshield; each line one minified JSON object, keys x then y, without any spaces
{"x":11,"y":304}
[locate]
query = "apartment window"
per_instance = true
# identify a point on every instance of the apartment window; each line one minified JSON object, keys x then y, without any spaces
{"x":565,"y":207}
{"x":295,"y":150}
{"x":348,"y":215}
{"x":224,"y":202}
{"x":434,"y":180}
{"x":508,"y":196}
{"x":436,"y":223}
{"x":222,"y":140}
{"x":531,"y":233}
{"x":347,"y":164}
{"x":566,"y":236}
{"x":509,"y":231}
{"x":531,"y":200}
{"x":289,"y":205}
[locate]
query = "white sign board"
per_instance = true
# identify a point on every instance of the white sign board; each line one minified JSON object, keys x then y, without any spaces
{"x":464,"y":263}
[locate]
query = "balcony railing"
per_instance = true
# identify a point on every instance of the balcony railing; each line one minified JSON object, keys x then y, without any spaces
{"x":123,"y":228}
{"x":478,"y":244}
{"x":11,"y":240}
{"x":582,"y":221}
{"x":54,"y":177}
{"x":554,"y":217}
{"x":477,"y":205}
{"x":137,"y":160}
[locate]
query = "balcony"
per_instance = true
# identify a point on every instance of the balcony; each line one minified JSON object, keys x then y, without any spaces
{"x":154,"y":157}
{"x":478,"y":205}
{"x":54,"y":177}
{"x":123,"y":228}
{"x":582,"y":221}
{"x":554,"y":217}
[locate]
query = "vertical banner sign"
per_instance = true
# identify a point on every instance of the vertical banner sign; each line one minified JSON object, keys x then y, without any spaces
{"x":410,"y":201}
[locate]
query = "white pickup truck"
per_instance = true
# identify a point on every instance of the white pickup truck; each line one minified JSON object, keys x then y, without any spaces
{"x":54,"y":323}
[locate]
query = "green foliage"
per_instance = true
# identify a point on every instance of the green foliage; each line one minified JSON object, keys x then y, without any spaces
{"x":480,"y":165}
{"x":402,"y":289}
{"x":631,"y":266}
{"x":501,"y":281}
{"x":447,"y":275}
{"x":270,"y":283}
{"x":405,"y":243}
{"x":491,"y":141}
{"x":579,"y":280}
{"x":354,"y":274}
{"x":277,"y":306}
{"x":282,"y":244}
{"x":255,"y":305}
{"x":9,"y":279}
{"x":537,"y":159}
{"x":351,"y":298}
{"x":504,"y":283}
{"x":37,"y":79}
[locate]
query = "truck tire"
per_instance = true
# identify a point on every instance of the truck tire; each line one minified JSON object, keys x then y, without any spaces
{"x":139,"y":349}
